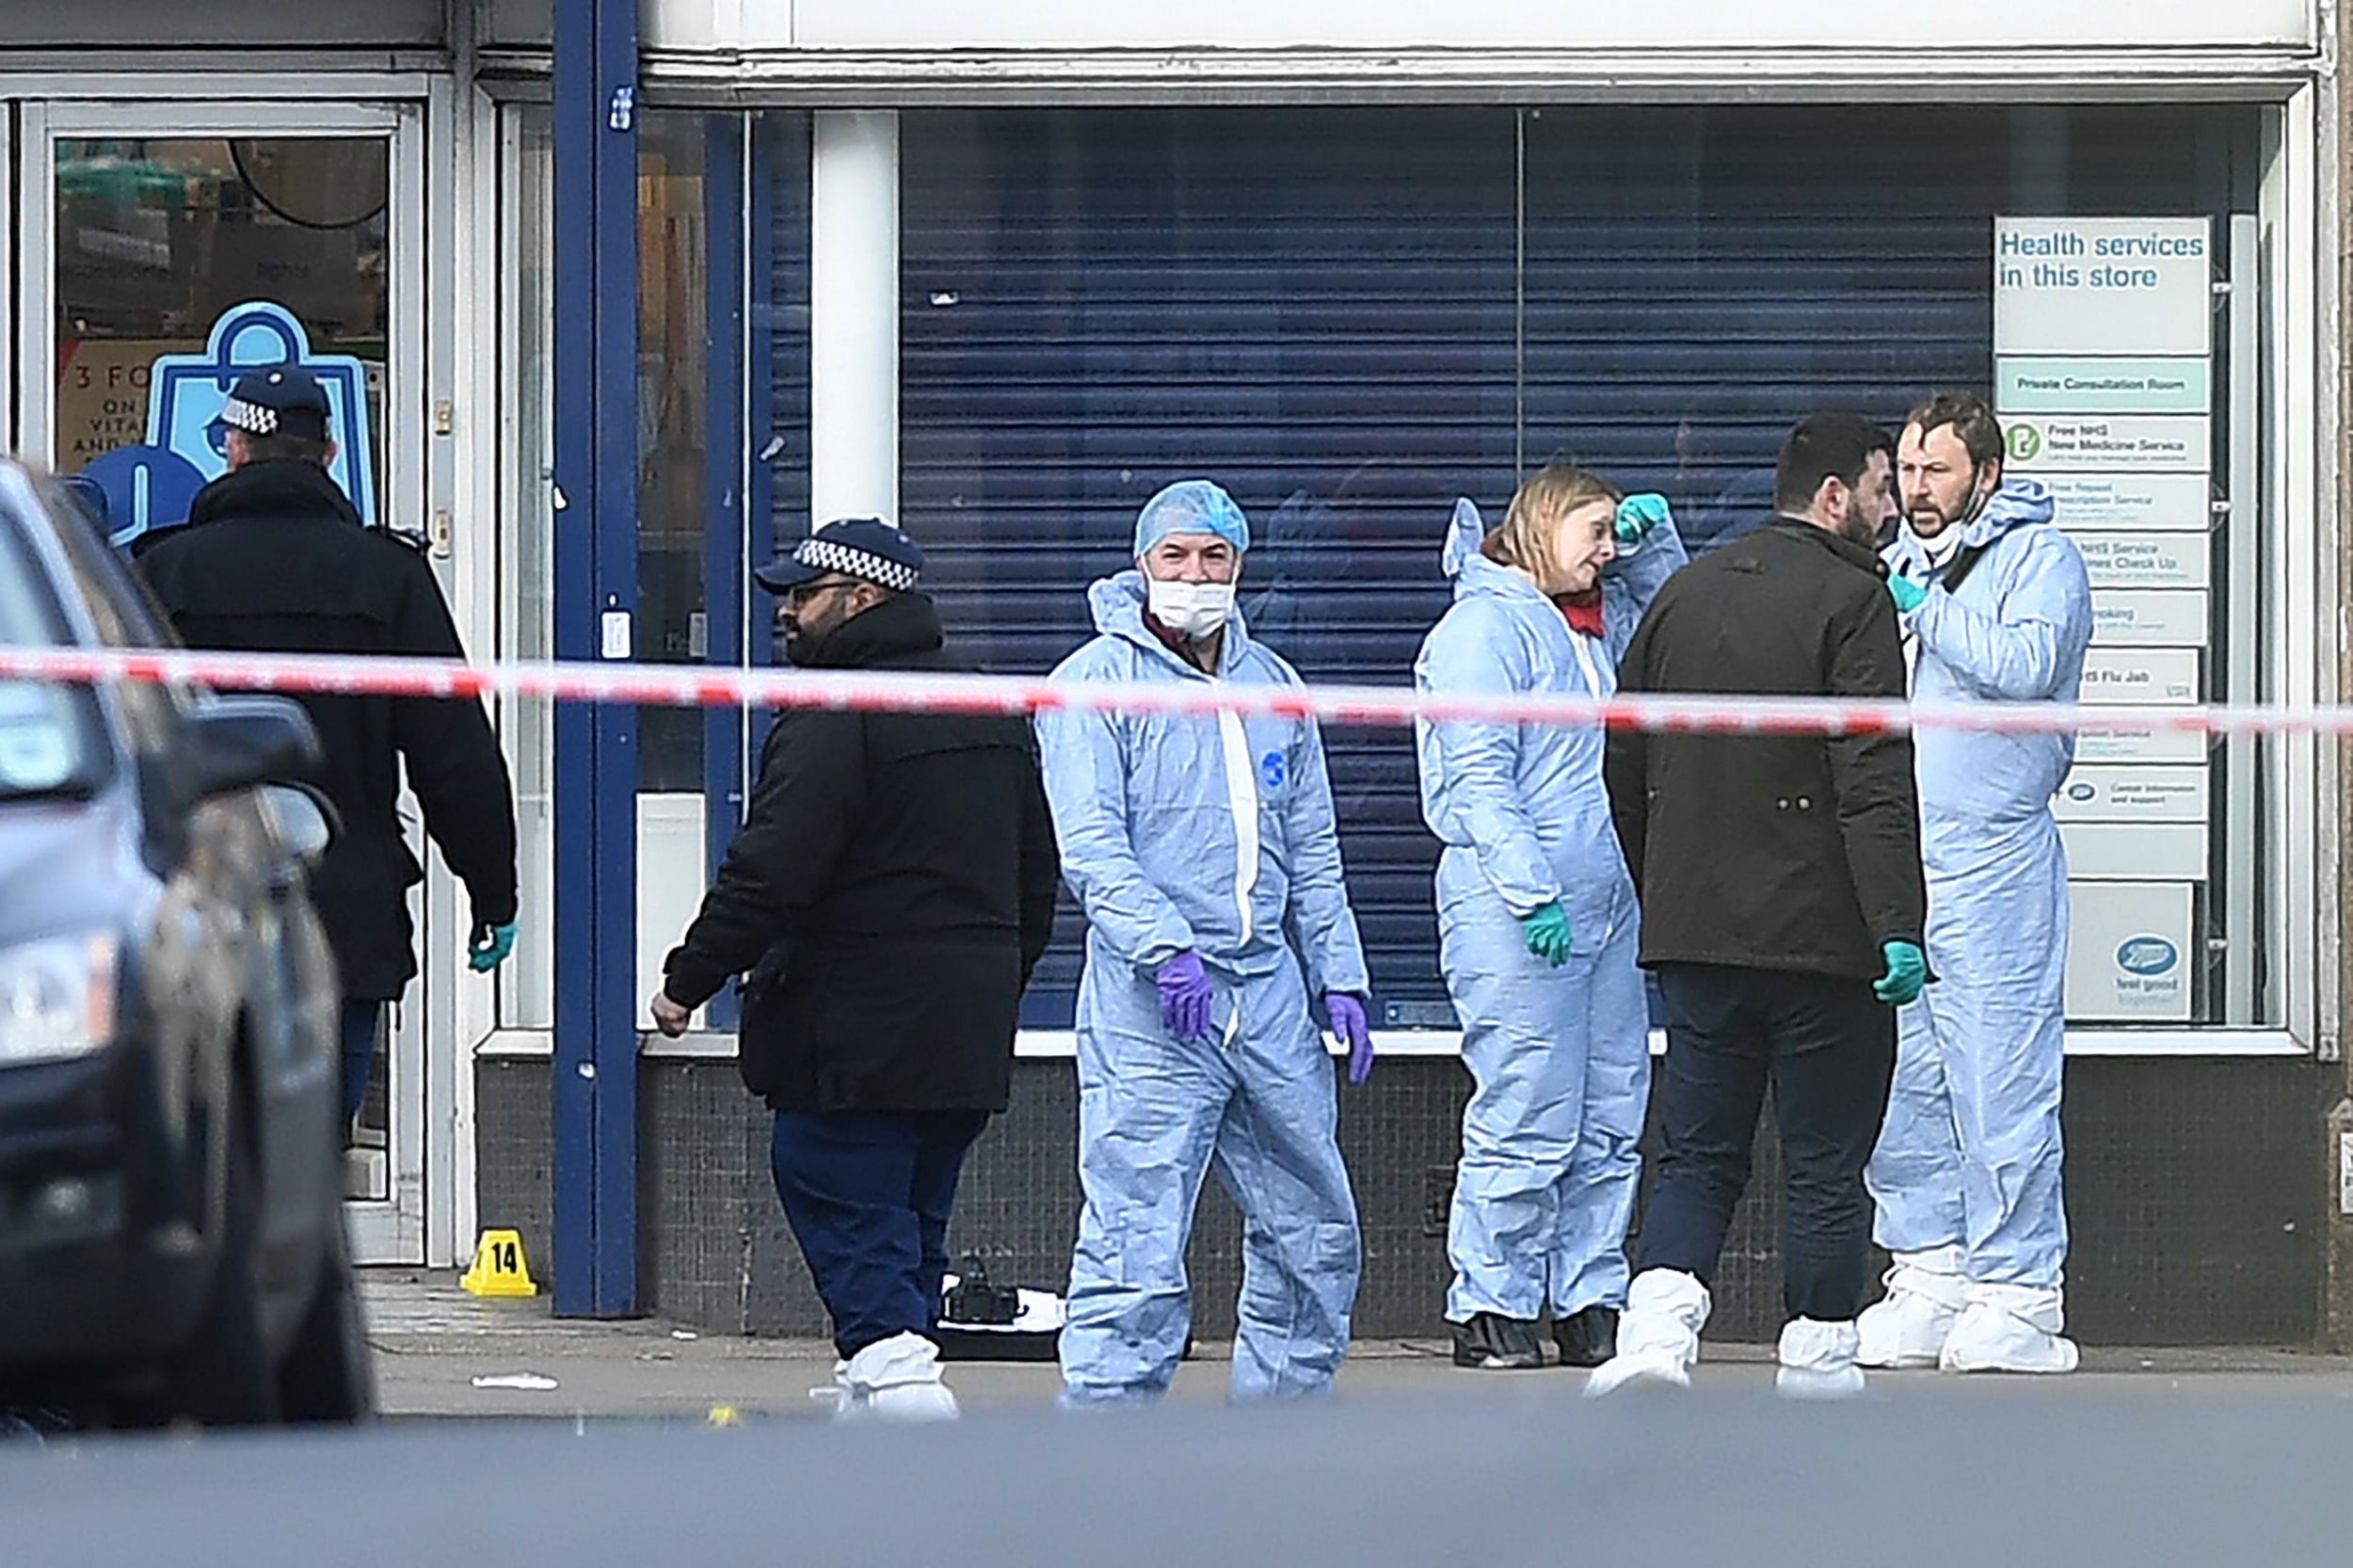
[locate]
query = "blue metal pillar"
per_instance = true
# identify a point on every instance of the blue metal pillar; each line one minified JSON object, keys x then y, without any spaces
{"x":596,"y":602}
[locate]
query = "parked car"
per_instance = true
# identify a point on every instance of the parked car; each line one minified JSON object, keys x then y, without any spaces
{"x":171,"y":1229}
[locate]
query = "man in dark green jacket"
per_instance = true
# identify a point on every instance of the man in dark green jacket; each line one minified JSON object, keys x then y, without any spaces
{"x":1782,"y":904}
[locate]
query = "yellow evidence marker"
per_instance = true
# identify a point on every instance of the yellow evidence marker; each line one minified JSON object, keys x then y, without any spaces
{"x":499,"y":1268}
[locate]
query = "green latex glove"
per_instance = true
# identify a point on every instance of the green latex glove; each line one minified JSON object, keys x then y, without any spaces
{"x":1639,"y":514}
{"x":1906,"y":593}
{"x":1547,"y":933}
{"x":490,"y":946}
{"x":1907,"y":972}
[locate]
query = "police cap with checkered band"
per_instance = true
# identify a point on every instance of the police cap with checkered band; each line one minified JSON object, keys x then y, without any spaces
{"x":867,"y":548}
{"x":277,"y":400}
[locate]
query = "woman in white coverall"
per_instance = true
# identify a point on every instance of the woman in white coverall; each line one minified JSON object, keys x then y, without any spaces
{"x":1536,"y":917}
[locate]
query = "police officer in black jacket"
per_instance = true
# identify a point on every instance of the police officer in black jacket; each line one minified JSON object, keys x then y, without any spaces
{"x":1783,"y":903}
{"x":890,"y":890}
{"x":273,"y":558}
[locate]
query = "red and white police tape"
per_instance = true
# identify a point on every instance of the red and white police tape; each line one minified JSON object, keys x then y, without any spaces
{"x":697,"y":686}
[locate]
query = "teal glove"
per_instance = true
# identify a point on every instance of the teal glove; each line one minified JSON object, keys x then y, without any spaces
{"x":1906,"y":593}
{"x":1639,"y":514}
{"x":1547,"y":932}
{"x":1907,"y":972}
{"x":490,"y":946}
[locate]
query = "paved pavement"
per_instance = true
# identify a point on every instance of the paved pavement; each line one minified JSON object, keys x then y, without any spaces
{"x":435,"y":1345}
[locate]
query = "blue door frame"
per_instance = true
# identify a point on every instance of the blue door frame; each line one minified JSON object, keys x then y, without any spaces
{"x":595,"y":1088}
{"x":736,"y":627}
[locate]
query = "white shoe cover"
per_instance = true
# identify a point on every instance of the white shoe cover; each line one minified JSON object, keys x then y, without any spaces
{"x":894,"y":1379}
{"x":1658,"y":1335}
{"x":1817,"y":1361}
{"x":837,"y":1393}
{"x":2011,"y":1328}
{"x":1907,"y":1326}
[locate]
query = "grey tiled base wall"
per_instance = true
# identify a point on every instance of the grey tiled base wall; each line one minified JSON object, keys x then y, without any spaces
{"x":2195,"y":1192}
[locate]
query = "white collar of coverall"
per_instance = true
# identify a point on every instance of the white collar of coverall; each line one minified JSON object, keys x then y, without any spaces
{"x":1941,"y":549}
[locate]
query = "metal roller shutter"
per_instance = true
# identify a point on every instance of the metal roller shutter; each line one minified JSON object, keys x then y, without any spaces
{"x":1349,"y":316}
{"x":1315,"y":309}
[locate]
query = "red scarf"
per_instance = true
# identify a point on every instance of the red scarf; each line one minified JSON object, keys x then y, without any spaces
{"x":1582,"y":611}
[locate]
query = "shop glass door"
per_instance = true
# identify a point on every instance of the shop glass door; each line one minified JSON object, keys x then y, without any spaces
{"x":167,"y":247}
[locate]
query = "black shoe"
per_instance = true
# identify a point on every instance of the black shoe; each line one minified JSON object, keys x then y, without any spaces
{"x":1493,"y":1344}
{"x":1588,"y":1336}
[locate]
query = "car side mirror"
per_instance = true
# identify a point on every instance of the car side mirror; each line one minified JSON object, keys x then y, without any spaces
{"x":241,"y":743}
{"x":305,"y":821}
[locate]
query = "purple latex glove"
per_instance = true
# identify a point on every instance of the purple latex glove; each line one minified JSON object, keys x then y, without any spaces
{"x":1184,"y":996}
{"x":1348,"y":1022}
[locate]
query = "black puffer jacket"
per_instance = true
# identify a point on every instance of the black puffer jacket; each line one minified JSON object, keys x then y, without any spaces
{"x":890,"y":890}
{"x":1770,"y":853}
{"x":273,"y":560}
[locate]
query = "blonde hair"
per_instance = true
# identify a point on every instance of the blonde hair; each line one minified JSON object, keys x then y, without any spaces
{"x":1550,"y":494}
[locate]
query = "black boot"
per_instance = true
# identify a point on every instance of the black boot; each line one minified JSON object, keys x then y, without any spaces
{"x":1495,"y":1344}
{"x":1588,"y":1336}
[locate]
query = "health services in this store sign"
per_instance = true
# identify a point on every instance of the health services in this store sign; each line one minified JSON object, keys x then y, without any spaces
{"x":2135,"y":288}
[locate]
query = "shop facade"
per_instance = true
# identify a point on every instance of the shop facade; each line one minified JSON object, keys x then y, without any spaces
{"x":1002,"y":279}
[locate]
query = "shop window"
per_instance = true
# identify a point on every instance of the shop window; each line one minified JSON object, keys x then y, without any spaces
{"x":704,"y":506}
{"x":157,"y":240}
{"x":526,"y":558}
{"x":1351,"y":316}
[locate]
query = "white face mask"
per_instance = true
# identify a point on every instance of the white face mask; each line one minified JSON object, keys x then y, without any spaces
{"x":1190,"y":609}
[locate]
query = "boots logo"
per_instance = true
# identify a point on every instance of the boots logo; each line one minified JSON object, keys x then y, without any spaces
{"x":2148,"y":957}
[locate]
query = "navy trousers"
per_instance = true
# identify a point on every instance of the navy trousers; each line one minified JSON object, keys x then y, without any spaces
{"x":867,"y":1195}
{"x":1826,"y":1046}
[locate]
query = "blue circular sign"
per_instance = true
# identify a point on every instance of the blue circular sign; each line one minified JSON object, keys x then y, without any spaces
{"x":147,"y":489}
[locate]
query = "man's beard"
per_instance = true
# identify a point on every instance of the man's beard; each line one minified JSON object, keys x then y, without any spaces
{"x":1947,"y":522}
{"x":1973,"y":502}
{"x":795,"y":645}
{"x":1860,"y":526}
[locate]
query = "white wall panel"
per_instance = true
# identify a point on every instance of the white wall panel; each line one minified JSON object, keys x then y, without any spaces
{"x":1856,"y":25}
